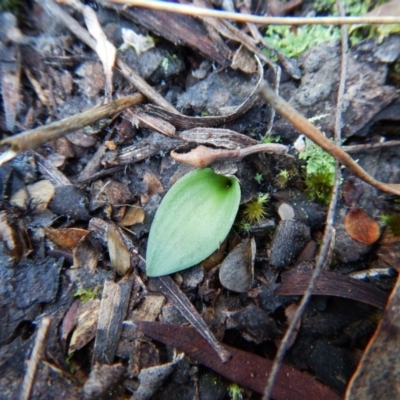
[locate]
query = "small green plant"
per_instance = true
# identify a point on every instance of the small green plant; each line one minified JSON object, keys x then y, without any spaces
{"x":258,"y":178}
{"x":271,"y":139}
{"x":235,"y":392}
{"x":88,"y":294}
{"x":319,"y":170}
{"x":165,"y":64}
{"x":254,"y":210}
{"x":392,"y":221}
{"x":193,"y":219}
{"x":282,"y":178}
{"x":244,"y":226}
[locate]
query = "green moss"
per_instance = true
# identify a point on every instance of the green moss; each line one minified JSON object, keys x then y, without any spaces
{"x":88,"y":294}
{"x":282,"y":178}
{"x":254,"y":210}
{"x":293,"y":42}
{"x":319,"y":172}
{"x":392,"y":221}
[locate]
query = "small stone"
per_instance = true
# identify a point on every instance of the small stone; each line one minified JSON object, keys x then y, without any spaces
{"x":70,"y":202}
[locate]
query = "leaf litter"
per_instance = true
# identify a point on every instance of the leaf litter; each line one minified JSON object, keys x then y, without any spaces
{"x":89,"y":228}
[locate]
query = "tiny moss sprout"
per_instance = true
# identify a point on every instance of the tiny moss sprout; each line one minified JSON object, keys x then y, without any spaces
{"x":282,"y":178}
{"x":235,"y":392}
{"x":244,"y":226}
{"x":87,"y":294}
{"x":254,"y":210}
{"x":271,"y":139}
{"x":258,"y":178}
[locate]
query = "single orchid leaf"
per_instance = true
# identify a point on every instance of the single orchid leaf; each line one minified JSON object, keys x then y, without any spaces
{"x":194,"y":217}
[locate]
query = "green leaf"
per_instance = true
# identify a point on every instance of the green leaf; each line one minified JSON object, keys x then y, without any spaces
{"x":193,"y":219}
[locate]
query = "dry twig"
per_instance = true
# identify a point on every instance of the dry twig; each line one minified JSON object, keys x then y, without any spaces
{"x":36,"y":356}
{"x":35,"y":137}
{"x":204,"y":12}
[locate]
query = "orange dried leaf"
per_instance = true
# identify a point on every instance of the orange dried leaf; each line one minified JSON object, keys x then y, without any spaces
{"x":66,"y":238}
{"x":361,"y":227}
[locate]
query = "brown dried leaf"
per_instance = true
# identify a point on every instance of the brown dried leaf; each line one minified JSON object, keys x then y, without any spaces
{"x":295,"y":282}
{"x":70,"y":320}
{"x":134,"y":215}
{"x":66,"y":238}
{"x":85,"y":255}
{"x":40,"y":192}
{"x":119,"y":255}
{"x":12,"y":238}
{"x":117,"y":193}
{"x":63,"y":147}
{"x":361,"y":227}
{"x":104,"y":49}
{"x":244,"y":368}
{"x":153,"y":184}
{"x":352,"y":190}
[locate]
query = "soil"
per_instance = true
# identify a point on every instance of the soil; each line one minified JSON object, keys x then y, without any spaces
{"x":76,"y":211}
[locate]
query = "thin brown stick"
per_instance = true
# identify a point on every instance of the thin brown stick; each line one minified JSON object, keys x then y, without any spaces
{"x":203,"y":12}
{"x":35,"y":137}
{"x":329,"y":230}
{"x":314,"y":134}
{"x":35,"y":358}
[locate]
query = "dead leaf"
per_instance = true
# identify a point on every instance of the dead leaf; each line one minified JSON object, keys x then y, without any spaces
{"x":40,"y":192}
{"x":13,"y":237}
{"x":119,"y":255}
{"x":66,"y":238}
{"x":104,"y":49}
{"x":140,"y":43}
{"x":70,"y":320}
{"x":85,"y":255}
{"x":361,"y":227}
{"x":134,"y":215}
{"x":295,"y":282}
{"x":244,"y":368}
{"x":154,"y":185}
{"x":352,"y":190}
